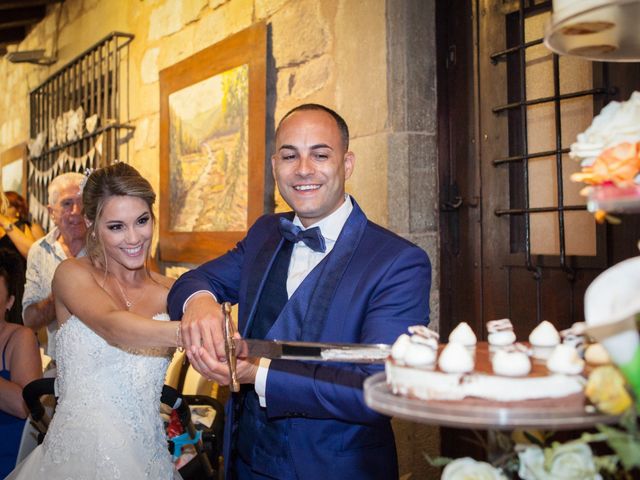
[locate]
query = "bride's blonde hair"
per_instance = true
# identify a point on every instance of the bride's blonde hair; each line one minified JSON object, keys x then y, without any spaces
{"x":118,"y":179}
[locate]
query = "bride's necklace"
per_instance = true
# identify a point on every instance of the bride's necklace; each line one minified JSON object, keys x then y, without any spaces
{"x":129,"y":303}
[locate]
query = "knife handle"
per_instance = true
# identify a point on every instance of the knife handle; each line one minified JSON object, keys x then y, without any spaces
{"x":230,"y":347}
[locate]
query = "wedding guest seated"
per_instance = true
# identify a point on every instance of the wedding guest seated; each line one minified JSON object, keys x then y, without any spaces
{"x":19,"y":365}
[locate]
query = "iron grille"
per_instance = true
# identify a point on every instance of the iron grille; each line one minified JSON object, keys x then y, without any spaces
{"x":517,"y":160}
{"x":93,"y":82}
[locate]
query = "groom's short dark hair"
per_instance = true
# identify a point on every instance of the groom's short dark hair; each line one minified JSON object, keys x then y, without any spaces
{"x":342,"y":125}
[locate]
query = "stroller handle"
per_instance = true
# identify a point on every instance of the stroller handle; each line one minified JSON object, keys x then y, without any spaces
{"x":171,"y":397}
{"x":32,"y":393}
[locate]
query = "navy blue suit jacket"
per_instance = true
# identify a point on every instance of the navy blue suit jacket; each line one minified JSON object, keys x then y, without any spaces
{"x":369,"y":289}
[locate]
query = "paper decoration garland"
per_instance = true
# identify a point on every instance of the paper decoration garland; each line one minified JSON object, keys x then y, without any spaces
{"x":68,"y":127}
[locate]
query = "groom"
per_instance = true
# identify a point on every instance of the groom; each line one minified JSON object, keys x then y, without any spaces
{"x":323,"y":272}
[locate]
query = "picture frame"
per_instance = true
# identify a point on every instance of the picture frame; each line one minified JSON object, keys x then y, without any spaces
{"x":212,"y":147}
{"x":13,"y":163}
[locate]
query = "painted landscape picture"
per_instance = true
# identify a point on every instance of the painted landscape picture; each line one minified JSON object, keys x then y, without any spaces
{"x":208,"y":154}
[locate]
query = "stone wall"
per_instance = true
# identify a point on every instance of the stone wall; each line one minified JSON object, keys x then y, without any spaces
{"x":371,"y":60}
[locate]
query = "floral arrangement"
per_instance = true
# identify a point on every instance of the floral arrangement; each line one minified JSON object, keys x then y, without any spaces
{"x":531,"y":455}
{"x":609,"y":153}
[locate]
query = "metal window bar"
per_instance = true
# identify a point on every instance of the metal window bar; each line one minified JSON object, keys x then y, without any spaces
{"x":519,"y":143}
{"x":521,"y":160}
{"x":92,"y":81}
{"x":554,"y":98}
{"x":522,"y":57}
{"x":503,"y":53}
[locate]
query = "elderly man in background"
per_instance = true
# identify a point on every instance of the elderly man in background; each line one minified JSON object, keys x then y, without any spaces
{"x":66,"y":240}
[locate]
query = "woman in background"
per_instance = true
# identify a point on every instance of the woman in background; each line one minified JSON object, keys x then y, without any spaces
{"x":16,"y":231}
{"x":19,"y":364}
{"x":113,"y":344}
{"x":18,"y":202}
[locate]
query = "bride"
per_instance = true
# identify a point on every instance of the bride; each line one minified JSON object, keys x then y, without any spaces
{"x":112,"y":356}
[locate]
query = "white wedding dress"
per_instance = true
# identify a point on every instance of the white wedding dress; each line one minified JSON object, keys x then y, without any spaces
{"x":107,"y":423}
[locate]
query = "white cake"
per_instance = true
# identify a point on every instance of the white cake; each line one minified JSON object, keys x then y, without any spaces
{"x":530,"y":381}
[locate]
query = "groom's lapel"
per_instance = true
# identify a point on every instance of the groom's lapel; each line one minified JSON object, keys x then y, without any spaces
{"x":260,"y":269}
{"x":303,"y":318}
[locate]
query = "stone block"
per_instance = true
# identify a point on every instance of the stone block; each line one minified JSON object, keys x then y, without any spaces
{"x":300,"y":82}
{"x":423,"y":150}
{"x":20,"y":129}
{"x":423,"y":191}
{"x":149,"y":66}
{"x":73,"y":10}
{"x":147,"y":162}
{"x":140,"y":134}
{"x":165,"y":20}
{"x":430,"y":243}
{"x":213,"y":4}
{"x":368,"y":183}
{"x":48,"y":24}
{"x":153,"y":135}
{"x":177,"y":47}
{"x":299,"y":33}
{"x":360,"y":57}
{"x":266,"y":8}
{"x":191,"y":10}
{"x":398,"y":178}
{"x":223,"y":21}
{"x":238,"y":15}
{"x":413,"y":182}
{"x":4,"y":135}
{"x":90,"y":4}
{"x":147,"y":99}
{"x":412,"y":65}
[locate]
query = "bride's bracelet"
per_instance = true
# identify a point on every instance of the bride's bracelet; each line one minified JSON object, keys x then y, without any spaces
{"x":179,"y":338}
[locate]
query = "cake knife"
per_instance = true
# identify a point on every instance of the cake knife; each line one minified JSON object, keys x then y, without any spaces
{"x":291,"y":350}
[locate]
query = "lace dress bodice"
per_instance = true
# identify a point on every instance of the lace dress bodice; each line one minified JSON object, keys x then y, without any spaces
{"x":107,"y":423}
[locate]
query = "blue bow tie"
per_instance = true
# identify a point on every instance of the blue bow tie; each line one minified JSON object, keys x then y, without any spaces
{"x":311,"y":237}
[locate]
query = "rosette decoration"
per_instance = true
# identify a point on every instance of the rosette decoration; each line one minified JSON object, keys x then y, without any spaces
{"x":609,"y":153}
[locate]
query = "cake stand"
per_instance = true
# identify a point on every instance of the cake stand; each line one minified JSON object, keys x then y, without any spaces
{"x":378,"y":397}
{"x":596,"y":31}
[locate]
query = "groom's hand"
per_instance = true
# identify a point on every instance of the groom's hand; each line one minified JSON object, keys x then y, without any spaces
{"x":246,"y":368}
{"x":202,"y":326}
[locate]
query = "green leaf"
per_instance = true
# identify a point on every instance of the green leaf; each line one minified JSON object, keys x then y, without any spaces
{"x":628,"y":421}
{"x":624,"y":445}
{"x":438,"y":461}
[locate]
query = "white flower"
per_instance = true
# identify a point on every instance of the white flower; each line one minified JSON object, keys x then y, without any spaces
{"x":469,"y":469}
{"x":571,"y":461}
{"x":618,"y":122}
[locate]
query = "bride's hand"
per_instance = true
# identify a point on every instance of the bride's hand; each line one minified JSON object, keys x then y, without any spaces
{"x":202,"y":326}
{"x":246,"y":368}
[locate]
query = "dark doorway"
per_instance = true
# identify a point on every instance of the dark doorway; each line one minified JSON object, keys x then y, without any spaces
{"x":517,"y":240}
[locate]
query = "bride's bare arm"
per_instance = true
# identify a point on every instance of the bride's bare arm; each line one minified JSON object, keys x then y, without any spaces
{"x":77,"y":293}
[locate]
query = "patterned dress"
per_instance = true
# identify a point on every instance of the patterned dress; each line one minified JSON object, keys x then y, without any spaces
{"x":107,"y":423}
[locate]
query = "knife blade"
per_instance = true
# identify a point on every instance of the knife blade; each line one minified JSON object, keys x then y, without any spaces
{"x":312,"y":351}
